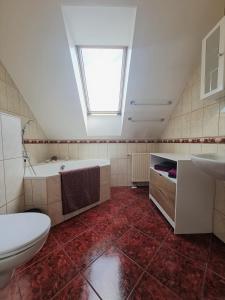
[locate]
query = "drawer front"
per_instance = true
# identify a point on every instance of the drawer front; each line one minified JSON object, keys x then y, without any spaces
{"x":164,"y":192}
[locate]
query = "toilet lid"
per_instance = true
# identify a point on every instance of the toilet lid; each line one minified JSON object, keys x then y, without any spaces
{"x":20,"y":230}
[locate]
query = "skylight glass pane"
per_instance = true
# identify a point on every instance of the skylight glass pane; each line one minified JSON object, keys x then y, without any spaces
{"x":102,"y":69}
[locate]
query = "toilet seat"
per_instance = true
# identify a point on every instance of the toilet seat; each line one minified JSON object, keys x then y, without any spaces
{"x":21,"y":231}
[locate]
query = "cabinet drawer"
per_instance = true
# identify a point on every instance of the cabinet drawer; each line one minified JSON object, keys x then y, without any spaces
{"x":164,"y":192}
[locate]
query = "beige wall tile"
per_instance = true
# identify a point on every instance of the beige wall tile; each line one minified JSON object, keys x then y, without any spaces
{"x":16,"y":205}
{"x":93,"y":151}
{"x":63,"y":151}
{"x":39,"y":188}
{"x":54,"y":189}
{"x":152,"y":147}
{"x":102,"y":151}
{"x":2,"y":72}
{"x":222,"y":119}
{"x":119,"y":180}
{"x":209,"y":148}
{"x":197,"y":123}
{"x":117,"y":150}
{"x":55,"y":211}
{"x":195,"y":148}
{"x":28,"y":192}
{"x":196,"y":103}
{"x":53,"y":150}
{"x":211,"y":120}
{"x":13,"y":178}
{"x":186,"y":100}
{"x":141,"y":148}
{"x":221,"y":148}
{"x":2,"y":185}
{"x":11,"y":136}
{"x":186,"y":125}
{"x":1,"y":148}
{"x":13,"y":100}
{"x":73,"y":151}
{"x":131,"y":148}
{"x":3,"y":210}
{"x":137,"y":148}
{"x":3,"y":97}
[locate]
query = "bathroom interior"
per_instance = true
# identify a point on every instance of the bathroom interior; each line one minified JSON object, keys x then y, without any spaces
{"x":112,"y":149}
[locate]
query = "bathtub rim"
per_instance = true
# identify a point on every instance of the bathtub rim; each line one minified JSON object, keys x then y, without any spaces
{"x":26,"y":177}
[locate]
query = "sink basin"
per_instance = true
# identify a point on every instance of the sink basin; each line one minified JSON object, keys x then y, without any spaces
{"x":211,"y":163}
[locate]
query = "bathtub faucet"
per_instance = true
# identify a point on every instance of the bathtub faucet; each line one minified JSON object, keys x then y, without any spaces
{"x":62,"y":167}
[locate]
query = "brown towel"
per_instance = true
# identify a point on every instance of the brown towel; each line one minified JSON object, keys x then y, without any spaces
{"x":80,"y":188}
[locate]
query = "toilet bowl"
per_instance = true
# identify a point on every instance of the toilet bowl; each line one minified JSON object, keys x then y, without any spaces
{"x":22,"y":235}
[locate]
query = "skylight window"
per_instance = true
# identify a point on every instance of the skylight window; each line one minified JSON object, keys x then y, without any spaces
{"x":102,"y":71}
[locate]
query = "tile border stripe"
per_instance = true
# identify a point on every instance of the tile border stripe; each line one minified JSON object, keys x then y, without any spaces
{"x":200,"y":140}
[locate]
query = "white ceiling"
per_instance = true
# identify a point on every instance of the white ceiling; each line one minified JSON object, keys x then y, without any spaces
{"x":166,"y":47}
{"x":100,"y":26}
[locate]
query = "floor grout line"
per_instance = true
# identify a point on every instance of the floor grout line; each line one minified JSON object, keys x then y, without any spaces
{"x":203,"y":282}
{"x":136,"y":284}
{"x":92,"y":286}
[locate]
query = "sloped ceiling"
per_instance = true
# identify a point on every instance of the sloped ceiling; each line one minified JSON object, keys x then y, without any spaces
{"x":166,"y":47}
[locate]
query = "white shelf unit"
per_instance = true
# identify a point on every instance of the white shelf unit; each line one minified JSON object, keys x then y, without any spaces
{"x":187,"y":201}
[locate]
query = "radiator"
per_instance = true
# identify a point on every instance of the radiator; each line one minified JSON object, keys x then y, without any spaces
{"x":140,"y":163}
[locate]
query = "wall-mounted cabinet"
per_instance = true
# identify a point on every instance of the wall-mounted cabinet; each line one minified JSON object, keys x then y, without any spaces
{"x":213,"y":62}
{"x":185,"y":201}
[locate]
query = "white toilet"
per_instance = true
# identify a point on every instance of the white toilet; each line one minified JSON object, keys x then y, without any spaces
{"x":22,"y":235}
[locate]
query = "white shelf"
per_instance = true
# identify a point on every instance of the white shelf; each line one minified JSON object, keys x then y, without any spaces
{"x":194,"y":192}
{"x":165,"y":174}
{"x":173,"y":156}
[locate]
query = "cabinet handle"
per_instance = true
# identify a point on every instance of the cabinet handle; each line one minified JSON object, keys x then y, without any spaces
{"x":220,"y":54}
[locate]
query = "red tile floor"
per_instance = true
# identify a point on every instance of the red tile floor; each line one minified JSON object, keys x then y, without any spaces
{"x":122,"y":249}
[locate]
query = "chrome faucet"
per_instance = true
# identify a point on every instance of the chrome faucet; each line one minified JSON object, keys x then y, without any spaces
{"x":62,"y":167}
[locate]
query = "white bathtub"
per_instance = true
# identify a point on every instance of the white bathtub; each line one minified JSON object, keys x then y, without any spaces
{"x":43,"y":190}
{"x":53,"y":168}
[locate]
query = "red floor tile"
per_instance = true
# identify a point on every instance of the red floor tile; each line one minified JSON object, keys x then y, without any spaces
{"x":113,"y":275}
{"x":133,"y":213}
{"x":77,"y":289}
{"x":196,"y":246}
{"x":138,"y":247}
{"x":180,"y":274}
{"x":133,"y":224}
{"x":85,"y":249}
{"x":100,"y":213}
{"x":113,"y":230}
{"x":114,"y":207}
{"x":68,"y":230}
{"x":43,"y":280}
{"x":153,"y":225}
{"x":151,"y":289}
{"x":50,"y":245}
{"x":145,"y":204}
{"x":214,"y":287}
{"x":217,"y":257}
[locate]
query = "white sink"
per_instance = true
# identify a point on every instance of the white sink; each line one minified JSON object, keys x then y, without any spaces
{"x":211,"y":163}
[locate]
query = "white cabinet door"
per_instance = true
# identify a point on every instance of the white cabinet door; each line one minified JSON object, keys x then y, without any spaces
{"x":212,"y":71}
